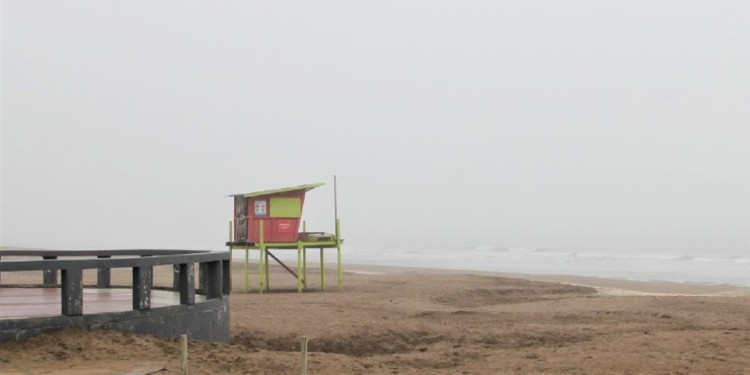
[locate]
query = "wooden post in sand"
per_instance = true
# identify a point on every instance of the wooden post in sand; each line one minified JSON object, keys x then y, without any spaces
{"x":303,"y":358}
{"x":183,"y":355}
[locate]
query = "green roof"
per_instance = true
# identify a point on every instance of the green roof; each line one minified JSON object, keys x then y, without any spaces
{"x":279,"y":191}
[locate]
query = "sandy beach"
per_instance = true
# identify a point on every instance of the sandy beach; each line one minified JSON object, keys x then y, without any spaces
{"x":392,"y":320}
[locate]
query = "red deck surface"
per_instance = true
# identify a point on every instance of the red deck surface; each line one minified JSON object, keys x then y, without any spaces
{"x":18,"y":303}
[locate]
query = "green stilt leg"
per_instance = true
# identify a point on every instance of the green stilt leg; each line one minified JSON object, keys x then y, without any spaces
{"x":340,"y":272}
{"x":267,"y":273}
{"x":338,"y":255}
{"x":247,"y":271}
{"x":230,"y":250}
{"x":261,"y":269}
{"x":304,"y":266}
{"x":322,"y":271}
{"x":299,"y":267}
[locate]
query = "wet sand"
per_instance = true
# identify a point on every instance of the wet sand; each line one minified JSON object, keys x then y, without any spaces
{"x":391,"y":320}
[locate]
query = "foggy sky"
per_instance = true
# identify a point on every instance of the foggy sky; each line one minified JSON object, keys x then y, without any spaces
{"x":584,"y":124}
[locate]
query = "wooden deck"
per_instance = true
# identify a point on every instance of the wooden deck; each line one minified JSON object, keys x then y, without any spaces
{"x":19,"y":303}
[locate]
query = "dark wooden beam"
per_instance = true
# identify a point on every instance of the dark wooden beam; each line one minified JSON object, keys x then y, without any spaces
{"x":103,"y":275}
{"x":214,"y":280}
{"x":72,"y":291}
{"x":186,"y":281}
{"x":142,"y":281}
{"x":49,"y":276}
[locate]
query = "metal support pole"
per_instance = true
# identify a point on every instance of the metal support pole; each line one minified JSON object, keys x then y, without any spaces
{"x":304,"y":267}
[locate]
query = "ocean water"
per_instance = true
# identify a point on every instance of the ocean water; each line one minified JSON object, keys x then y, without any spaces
{"x":706,"y":267}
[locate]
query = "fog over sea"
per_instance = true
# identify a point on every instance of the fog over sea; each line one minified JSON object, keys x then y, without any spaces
{"x":698,"y":267}
{"x":702,"y":267}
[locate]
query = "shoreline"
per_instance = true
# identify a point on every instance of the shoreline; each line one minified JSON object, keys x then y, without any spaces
{"x":679,"y":282}
{"x":605,"y":286}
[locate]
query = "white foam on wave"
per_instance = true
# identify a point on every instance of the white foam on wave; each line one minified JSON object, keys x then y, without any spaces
{"x":360,"y":272}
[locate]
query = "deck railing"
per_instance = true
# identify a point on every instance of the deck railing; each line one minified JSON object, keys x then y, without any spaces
{"x":214,"y":274}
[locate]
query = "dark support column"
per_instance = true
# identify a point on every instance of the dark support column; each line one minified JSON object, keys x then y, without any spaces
{"x":202,"y":271}
{"x":176,"y":276}
{"x":214,"y":280}
{"x":49,"y":276}
{"x":186,"y":281}
{"x":226,"y":273}
{"x":142,"y":281}
{"x":72,"y":291}
{"x":103,"y":275}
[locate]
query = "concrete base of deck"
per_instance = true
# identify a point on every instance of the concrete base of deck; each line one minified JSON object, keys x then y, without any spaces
{"x":25,"y":312}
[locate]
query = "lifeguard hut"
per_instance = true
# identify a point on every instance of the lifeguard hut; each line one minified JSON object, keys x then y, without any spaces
{"x":270,"y":220}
